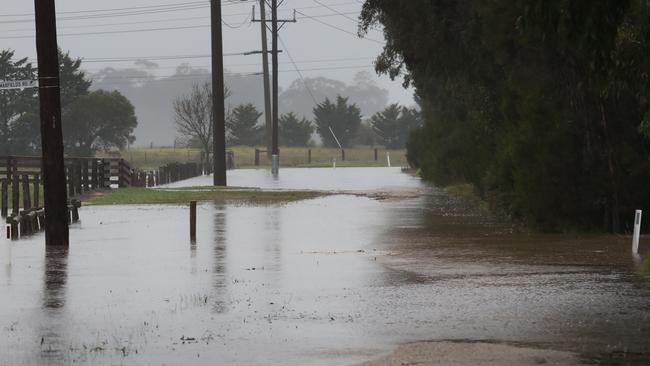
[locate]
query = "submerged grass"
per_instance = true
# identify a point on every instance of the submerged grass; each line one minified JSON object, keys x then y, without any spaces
{"x":644,"y":268}
{"x":467,"y":193}
{"x":129,"y":196}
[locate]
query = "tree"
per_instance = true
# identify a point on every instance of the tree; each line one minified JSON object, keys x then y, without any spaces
{"x":14,"y":104}
{"x":73,"y":81}
{"x":193,"y":115}
{"x":542,"y":106}
{"x":294,"y":131}
{"x":243,"y":125}
{"x":363,"y":91}
{"x":99,"y":120}
{"x":343,"y":119}
{"x":394,"y":124}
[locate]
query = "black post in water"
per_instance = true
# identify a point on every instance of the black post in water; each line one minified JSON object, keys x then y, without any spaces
{"x":193,"y":221}
{"x":218,"y":103}
{"x":56,"y":223}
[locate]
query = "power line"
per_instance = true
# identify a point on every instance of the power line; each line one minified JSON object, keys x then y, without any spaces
{"x":228,"y":66}
{"x":337,"y":28}
{"x":161,"y":21}
{"x":141,"y":30}
{"x":293,"y":62}
{"x":336,"y":11}
{"x":125,"y":12}
{"x":243,"y":73}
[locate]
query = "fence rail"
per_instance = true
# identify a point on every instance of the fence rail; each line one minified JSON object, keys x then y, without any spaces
{"x":22,"y":176}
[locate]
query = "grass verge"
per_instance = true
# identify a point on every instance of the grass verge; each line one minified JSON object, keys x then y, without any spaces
{"x":131,"y":196}
{"x":467,"y":193}
{"x":152,"y":158}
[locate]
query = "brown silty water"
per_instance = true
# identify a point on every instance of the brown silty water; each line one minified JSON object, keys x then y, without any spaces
{"x":334,"y":280}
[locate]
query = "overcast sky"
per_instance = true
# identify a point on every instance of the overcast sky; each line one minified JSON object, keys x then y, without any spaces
{"x":97,"y":30}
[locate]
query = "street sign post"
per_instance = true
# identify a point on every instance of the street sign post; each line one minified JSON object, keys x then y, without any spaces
{"x":17,"y":84}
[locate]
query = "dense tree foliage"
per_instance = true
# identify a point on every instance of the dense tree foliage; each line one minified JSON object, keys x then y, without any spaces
{"x":20,"y":116}
{"x":394,"y":124}
{"x":294,"y":131}
{"x":340,"y":118}
{"x":542,"y":105}
{"x":14,"y":104}
{"x":98,"y":120}
{"x":243,"y":126}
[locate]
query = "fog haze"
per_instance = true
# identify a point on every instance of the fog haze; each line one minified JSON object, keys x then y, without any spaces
{"x":153,"y":42}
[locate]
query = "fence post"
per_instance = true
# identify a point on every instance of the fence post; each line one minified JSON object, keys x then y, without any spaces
{"x":376,"y":154}
{"x":27,"y":201}
{"x":95,"y":180}
{"x":230,"y":160}
{"x":70,"y":181}
{"x":309,"y":156}
{"x":84,"y":175}
{"x":37,"y":191}
{"x":257,"y":157}
{"x":77,"y":174}
{"x":106,"y":173}
{"x":4,"y":198}
{"x":342,"y":154}
{"x":193,"y":221}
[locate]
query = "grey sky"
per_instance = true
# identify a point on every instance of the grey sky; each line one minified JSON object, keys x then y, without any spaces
{"x":320,"y":50}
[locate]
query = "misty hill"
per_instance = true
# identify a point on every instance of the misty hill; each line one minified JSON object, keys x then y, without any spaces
{"x":153,"y":96}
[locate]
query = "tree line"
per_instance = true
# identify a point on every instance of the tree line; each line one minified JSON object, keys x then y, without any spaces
{"x":336,"y":122}
{"x":544,"y":106}
{"x":91,"y":120}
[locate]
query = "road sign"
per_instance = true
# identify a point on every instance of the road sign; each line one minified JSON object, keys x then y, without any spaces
{"x":18,"y":84}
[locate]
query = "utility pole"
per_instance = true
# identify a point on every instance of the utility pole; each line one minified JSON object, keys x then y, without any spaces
{"x":275,"y":151}
{"x":54,"y":179}
{"x":218,"y":103}
{"x":275,"y":28}
{"x":267,"y":87}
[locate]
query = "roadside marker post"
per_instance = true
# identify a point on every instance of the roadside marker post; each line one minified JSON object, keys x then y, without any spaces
{"x":637,"y":231}
{"x":388,"y":158}
{"x":193,"y":221}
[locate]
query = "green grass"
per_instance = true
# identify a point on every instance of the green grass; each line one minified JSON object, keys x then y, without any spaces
{"x":644,"y":268}
{"x":127,"y":196}
{"x":467,"y":193}
{"x":152,"y":158}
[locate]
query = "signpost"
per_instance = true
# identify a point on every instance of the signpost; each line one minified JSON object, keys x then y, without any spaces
{"x":17,"y":84}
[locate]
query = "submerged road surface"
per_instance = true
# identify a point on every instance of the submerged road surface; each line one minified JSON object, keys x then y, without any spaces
{"x":331,"y":281}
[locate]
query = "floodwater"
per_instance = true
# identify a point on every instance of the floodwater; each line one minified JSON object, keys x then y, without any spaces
{"x":322,"y":179}
{"x":331,"y":281}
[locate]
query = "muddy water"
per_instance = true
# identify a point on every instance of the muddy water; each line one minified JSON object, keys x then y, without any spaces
{"x":335,"y":280}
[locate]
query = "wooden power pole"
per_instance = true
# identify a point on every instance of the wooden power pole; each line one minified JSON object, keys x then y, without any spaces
{"x":267,"y":87}
{"x":218,"y":102}
{"x":54,"y":178}
{"x":275,"y":151}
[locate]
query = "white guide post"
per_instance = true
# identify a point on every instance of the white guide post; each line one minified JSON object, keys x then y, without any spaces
{"x":637,"y":232}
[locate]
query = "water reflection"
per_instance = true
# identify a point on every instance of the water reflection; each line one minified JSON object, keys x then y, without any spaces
{"x":220,"y":258}
{"x":55,"y":277}
{"x":273,"y":239}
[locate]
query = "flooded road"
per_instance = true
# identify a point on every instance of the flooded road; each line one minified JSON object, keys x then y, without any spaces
{"x":331,"y":281}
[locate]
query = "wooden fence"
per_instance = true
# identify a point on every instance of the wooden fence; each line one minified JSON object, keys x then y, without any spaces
{"x":22,"y":175}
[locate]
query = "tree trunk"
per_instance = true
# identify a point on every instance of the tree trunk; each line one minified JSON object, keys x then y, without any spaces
{"x":615,"y":206}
